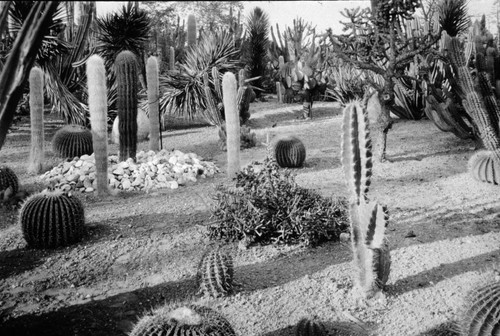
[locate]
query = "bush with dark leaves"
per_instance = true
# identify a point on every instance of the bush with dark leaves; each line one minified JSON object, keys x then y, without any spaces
{"x":268,"y":206}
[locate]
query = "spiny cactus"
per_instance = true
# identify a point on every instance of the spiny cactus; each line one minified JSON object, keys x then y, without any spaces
{"x":215,"y":274}
{"x":72,"y":140}
{"x":310,"y":327}
{"x":126,"y":78}
{"x":9,"y":183}
{"x":191,"y":30}
{"x":171,"y":59}
{"x":153,"y":94}
{"x":290,"y":152}
{"x":481,"y":316}
{"x":484,"y":167}
{"x":190,"y":320}
{"x":36,"y":116}
{"x":229,"y":97}
{"x":52,"y":219}
{"x":368,"y":219}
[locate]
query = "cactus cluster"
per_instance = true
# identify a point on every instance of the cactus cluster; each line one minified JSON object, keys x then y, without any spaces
{"x":9,"y":183}
{"x":215,"y":274}
{"x":52,"y":219}
{"x":290,"y":152}
{"x":310,"y":327}
{"x":190,"y":320}
{"x":368,"y":218}
{"x":72,"y":141}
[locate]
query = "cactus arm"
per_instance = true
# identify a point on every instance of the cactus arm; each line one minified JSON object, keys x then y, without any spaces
{"x":36,"y":115}
{"x":153,"y":93}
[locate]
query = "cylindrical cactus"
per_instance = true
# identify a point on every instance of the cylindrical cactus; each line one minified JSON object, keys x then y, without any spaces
{"x":52,"y":219}
{"x":279,"y":92}
{"x":126,"y":103}
{"x":72,"y":140}
{"x":215,"y":274}
{"x":190,"y":320}
{"x":310,"y":327}
{"x":36,"y":115}
{"x":290,"y":152}
{"x":191,"y":30}
{"x":171,"y":59}
{"x":9,"y":183}
{"x":229,"y":96}
{"x":153,"y":93}
{"x":98,"y":108}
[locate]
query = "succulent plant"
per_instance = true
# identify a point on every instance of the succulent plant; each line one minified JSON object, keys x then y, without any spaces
{"x":191,"y":30}
{"x":229,"y":90}
{"x":485,"y":167}
{"x":310,"y":327}
{"x":153,"y":94}
{"x":215,"y":274}
{"x":72,"y":140}
{"x":190,"y":320}
{"x":290,"y":152}
{"x":36,"y":117}
{"x":9,"y":183}
{"x":52,"y":219}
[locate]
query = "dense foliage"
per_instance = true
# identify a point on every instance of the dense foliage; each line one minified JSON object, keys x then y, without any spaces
{"x":268,"y":206}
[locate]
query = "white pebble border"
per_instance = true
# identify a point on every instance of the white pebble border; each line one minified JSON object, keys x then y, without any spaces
{"x":150,"y":171}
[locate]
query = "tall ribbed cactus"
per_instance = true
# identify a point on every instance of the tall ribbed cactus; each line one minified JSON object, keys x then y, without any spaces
{"x":171,"y":59}
{"x":368,"y":219}
{"x":153,"y":94}
{"x":229,"y":95}
{"x":191,"y":30}
{"x":126,"y":78}
{"x":98,"y":108}
{"x":36,"y":116}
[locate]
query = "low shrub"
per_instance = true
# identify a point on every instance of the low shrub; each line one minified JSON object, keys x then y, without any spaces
{"x":268,"y":206}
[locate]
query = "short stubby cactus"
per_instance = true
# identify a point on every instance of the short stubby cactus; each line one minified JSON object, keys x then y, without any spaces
{"x":215,"y":274}
{"x":485,"y":167}
{"x":290,"y":152}
{"x":52,"y":219}
{"x":190,"y":320}
{"x":9,"y":183}
{"x":310,"y":327}
{"x":72,"y":141}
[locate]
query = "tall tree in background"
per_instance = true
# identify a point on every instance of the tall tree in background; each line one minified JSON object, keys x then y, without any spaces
{"x":254,"y":49}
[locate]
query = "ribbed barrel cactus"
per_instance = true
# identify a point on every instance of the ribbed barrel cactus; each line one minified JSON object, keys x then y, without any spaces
{"x":9,"y":183}
{"x":52,"y":219}
{"x":190,"y":320}
{"x":290,"y":152}
{"x":215,"y":274}
{"x":72,"y":140}
{"x":310,"y":327}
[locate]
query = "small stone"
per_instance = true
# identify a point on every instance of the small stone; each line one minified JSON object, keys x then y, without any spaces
{"x":345,"y":237}
{"x":78,"y":163}
{"x":174,"y":185}
{"x":126,"y":184}
{"x":89,"y":189}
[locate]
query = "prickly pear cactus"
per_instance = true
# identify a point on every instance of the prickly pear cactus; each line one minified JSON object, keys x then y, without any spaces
{"x":310,"y":327}
{"x":290,"y":152}
{"x":190,"y":320}
{"x":72,"y":140}
{"x":9,"y":183}
{"x":215,"y":274}
{"x":52,"y":219}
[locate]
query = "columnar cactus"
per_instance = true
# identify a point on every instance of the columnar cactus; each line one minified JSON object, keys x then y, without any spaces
{"x":215,"y":274}
{"x":229,"y":96}
{"x":52,"y":219}
{"x":290,"y":152}
{"x":171,"y":59}
{"x":98,"y":108}
{"x":191,"y":30}
{"x":126,"y":78}
{"x":36,"y":116}
{"x":190,"y":320}
{"x":310,"y":327}
{"x":368,"y":219}
{"x":72,"y":140}
{"x":153,"y":94}
{"x":9,"y":183}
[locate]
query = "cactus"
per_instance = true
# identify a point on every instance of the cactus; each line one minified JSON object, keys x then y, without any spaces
{"x":278,"y":92}
{"x":310,"y":327}
{"x":72,"y":140}
{"x":215,"y":274}
{"x":36,"y":116}
{"x":9,"y":183}
{"x":153,"y":96}
{"x":229,"y":96}
{"x":368,"y":219}
{"x":98,"y":108}
{"x":172,"y":59}
{"x":126,"y":78}
{"x":484,"y":167}
{"x":190,"y":320}
{"x":290,"y":152}
{"x":191,"y":30}
{"x":52,"y":219}
{"x":481,"y":316}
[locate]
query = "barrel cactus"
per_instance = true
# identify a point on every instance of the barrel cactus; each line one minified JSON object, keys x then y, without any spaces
{"x":485,"y":167}
{"x":72,"y":140}
{"x":9,"y":183}
{"x":215,"y":274}
{"x":190,"y":320}
{"x":52,"y":219}
{"x":290,"y":152}
{"x":310,"y":327}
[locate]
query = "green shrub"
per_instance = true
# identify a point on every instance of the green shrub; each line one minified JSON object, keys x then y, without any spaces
{"x":267,"y":206}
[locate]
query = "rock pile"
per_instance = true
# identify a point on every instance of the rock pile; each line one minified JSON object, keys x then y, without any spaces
{"x":150,"y":171}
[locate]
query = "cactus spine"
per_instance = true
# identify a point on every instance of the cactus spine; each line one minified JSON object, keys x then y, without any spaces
{"x":72,"y":140}
{"x":191,"y":30}
{"x":36,"y":115}
{"x":229,"y":94}
{"x":368,"y":219}
{"x":310,"y":327}
{"x":98,"y":108}
{"x":153,"y":94}
{"x":215,"y":274}
{"x":9,"y":183}
{"x":126,"y":78}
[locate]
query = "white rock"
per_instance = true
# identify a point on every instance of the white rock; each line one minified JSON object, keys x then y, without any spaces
{"x":142,"y":127}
